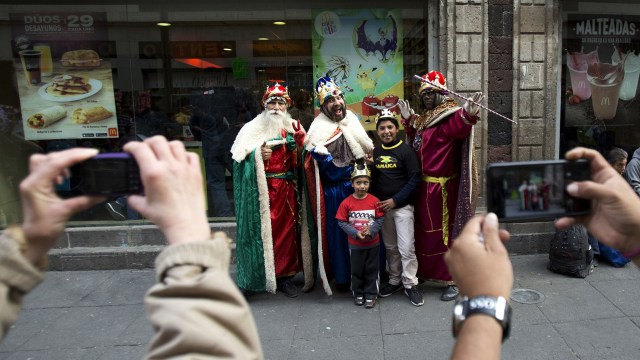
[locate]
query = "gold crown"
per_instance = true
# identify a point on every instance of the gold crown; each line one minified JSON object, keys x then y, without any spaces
{"x":360,"y":170}
{"x":276,"y":91}
{"x":437,"y":82}
{"x":325,"y":88}
{"x":386,"y":114}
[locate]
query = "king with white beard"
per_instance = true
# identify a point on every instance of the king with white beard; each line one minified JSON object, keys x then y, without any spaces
{"x":267,"y":154}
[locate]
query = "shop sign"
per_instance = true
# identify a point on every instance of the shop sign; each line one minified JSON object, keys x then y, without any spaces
{"x":187,"y":49}
{"x":602,"y":70}
{"x":277,"y":48}
{"x":361,"y":50}
{"x":62,"y":25}
{"x":65,"y":85}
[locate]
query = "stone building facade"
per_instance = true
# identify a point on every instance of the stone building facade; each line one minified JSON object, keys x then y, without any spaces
{"x":511,"y":50}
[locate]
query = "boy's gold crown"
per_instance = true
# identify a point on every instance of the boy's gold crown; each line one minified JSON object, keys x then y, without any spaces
{"x":360,"y":170}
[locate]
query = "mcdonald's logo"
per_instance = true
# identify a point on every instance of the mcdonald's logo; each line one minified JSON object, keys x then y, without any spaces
{"x":113,"y":132}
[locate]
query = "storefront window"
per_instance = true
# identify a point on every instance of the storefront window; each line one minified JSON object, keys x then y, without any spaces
{"x":104,"y":74}
{"x":600,"y":71}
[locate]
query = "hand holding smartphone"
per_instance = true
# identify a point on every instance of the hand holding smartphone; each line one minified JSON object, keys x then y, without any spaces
{"x":108,"y":174}
{"x":535,"y":190}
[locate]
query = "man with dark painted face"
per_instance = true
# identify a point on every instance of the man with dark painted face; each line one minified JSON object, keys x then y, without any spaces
{"x":335,"y":141}
{"x":442,"y":136}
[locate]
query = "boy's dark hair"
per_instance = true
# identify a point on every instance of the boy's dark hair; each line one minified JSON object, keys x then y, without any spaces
{"x":392,"y":120}
{"x":616,"y":154}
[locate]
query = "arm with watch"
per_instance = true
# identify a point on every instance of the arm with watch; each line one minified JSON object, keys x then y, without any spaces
{"x":195,"y":307}
{"x":480,"y":266}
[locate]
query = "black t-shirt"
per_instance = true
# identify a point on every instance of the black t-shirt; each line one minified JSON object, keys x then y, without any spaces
{"x":394,"y":165}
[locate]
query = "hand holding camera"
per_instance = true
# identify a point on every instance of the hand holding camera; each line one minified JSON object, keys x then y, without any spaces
{"x":174,"y":196}
{"x":45,"y":213}
{"x":615,"y":219}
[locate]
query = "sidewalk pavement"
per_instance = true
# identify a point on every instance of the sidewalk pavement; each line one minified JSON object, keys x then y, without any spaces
{"x":99,"y":315}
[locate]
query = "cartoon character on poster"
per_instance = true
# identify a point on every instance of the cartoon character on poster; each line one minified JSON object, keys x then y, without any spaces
{"x":361,"y":51}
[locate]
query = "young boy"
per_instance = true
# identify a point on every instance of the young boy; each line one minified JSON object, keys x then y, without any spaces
{"x":360,"y":217}
{"x":396,"y":173}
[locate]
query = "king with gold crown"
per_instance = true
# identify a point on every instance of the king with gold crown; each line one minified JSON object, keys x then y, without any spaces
{"x":335,"y":140}
{"x":267,"y":157}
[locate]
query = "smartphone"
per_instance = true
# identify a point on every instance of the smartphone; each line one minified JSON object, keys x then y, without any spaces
{"x":108,"y":174}
{"x":535,"y":190}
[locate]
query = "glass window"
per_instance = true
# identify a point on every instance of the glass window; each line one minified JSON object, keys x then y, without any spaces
{"x":101,"y":75}
{"x":600,"y":70}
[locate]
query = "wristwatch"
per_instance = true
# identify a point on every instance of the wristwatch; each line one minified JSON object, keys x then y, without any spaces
{"x":496,"y":307}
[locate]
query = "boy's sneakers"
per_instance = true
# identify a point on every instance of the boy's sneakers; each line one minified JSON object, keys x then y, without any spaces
{"x":389,"y":289}
{"x":370,"y":303}
{"x":359,"y":300}
{"x":414,"y":295}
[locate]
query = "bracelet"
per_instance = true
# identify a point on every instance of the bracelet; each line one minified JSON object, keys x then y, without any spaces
{"x":633,"y":253}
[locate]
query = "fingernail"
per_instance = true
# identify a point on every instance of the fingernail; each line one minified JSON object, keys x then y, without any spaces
{"x":572,"y":189}
{"x":491,"y":219}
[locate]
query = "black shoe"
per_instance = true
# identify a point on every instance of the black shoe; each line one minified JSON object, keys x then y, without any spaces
{"x":116,"y":210}
{"x":342,"y":288}
{"x":370,"y":303}
{"x":389,"y":289}
{"x":450,"y":293}
{"x":288,"y":288}
{"x":359,"y":300}
{"x":415,"y":296}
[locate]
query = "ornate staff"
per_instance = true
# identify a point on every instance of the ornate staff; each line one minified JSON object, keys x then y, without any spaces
{"x":464,"y":98}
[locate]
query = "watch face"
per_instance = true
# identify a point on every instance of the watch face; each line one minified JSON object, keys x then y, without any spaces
{"x":482,"y":303}
{"x":497,"y":308}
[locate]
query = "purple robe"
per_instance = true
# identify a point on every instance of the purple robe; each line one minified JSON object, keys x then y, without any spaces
{"x":440,"y":152}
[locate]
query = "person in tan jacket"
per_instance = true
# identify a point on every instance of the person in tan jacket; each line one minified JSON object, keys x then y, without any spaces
{"x":195,"y":308}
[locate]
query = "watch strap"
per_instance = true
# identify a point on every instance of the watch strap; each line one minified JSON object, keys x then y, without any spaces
{"x":496,"y":307}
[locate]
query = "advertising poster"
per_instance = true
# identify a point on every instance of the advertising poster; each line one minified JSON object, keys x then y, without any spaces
{"x":361,"y":50}
{"x":65,"y":86}
{"x":601,"y":71}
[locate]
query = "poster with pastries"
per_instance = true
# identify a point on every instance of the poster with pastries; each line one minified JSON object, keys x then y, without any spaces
{"x":65,"y":85}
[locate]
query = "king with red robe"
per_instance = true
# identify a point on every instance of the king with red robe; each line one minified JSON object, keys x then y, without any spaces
{"x":442,"y":136}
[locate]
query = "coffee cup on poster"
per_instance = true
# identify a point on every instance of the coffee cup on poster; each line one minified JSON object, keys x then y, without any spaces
{"x":31,"y":65}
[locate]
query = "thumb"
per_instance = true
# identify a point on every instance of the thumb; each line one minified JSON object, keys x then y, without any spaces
{"x":472,"y":228}
{"x":490,"y":231}
{"x":589,"y":190}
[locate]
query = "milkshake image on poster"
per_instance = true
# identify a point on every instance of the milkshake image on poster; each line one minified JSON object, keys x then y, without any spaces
{"x":631,"y":64}
{"x":578,"y":63}
{"x":605,"y":81}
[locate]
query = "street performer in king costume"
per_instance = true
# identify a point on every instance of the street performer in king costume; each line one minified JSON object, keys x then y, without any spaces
{"x":335,"y":141}
{"x":442,"y":136}
{"x":267,"y":154}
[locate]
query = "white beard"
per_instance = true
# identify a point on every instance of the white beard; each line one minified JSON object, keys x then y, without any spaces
{"x":274,"y":121}
{"x":266,"y":126}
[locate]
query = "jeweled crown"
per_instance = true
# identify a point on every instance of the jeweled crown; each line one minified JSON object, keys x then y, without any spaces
{"x":325,"y":88}
{"x":276,"y":91}
{"x":436,"y":78}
